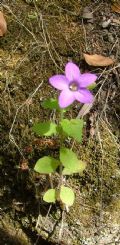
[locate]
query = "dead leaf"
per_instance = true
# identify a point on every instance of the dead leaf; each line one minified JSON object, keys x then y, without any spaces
{"x":116,"y":7}
{"x":98,"y":60}
{"x":3,"y":24}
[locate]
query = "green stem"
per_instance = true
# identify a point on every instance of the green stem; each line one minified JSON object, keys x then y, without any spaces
{"x":61,"y":176}
{"x":61,"y":144}
{"x":61,"y":114}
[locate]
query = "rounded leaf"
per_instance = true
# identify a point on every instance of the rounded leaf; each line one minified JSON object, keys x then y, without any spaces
{"x":46,"y":165}
{"x":50,"y":196}
{"x":51,"y":104}
{"x":68,"y":158}
{"x":73,"y":128}
{"x":78,"y":169}
{"x":44,"y":128}
{"x":67,"y":195}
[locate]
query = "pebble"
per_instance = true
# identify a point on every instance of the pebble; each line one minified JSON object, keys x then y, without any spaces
{"x":106,"y":23}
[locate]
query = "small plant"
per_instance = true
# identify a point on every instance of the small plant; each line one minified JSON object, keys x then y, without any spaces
{"x":73,"y":86}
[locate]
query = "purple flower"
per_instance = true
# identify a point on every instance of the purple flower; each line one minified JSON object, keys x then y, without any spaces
{"x":73,"y":85}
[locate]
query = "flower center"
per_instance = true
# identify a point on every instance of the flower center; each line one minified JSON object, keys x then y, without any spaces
{"x":73,"y":86}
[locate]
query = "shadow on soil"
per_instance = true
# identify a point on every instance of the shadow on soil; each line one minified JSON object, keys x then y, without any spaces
{"x":8,"y":239}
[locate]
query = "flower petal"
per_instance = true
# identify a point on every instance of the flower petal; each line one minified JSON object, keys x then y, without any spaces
{"x":59,"y":81}
{"x":66,"y":98}
{"x":72,"y":72}
{"x":84,"y":96}
{"x":86,"y":79}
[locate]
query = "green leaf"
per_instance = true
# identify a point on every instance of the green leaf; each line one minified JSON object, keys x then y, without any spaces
{"x":67,"y":195}
{"x":46,"y":165}
{"x":68,"y":158}
{"x":79,"y":169}
{"x":92,"y":86}
{"x":45,"y":128}
{"x":50,"y":104}
{"x":50,"y":196}
{"x":70,"y":161}
{"x":73,"y":128}
{"x":53,"y":104}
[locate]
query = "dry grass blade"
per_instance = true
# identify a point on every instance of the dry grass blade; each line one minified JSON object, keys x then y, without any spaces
{"x":116,"y":7}
{"x":3,"y":24}
{"x":98,"y":60}
{"x":84,"y":110}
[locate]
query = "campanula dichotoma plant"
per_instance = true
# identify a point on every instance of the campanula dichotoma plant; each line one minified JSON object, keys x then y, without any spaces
{"x":73,"y":86}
